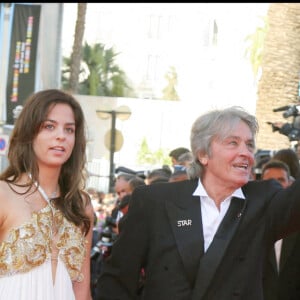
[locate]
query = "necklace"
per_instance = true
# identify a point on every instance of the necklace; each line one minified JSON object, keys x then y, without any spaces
{"x":48,"y":200}
{"x":43,"y":193}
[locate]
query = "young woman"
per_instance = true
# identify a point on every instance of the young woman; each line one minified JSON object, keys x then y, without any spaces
{"x":45,"y":216}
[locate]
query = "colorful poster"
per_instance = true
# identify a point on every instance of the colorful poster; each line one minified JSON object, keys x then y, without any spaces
{"x":1,"y":30}
{"x":22,"y":56}
{"x":1,"y":20}
{"x":1,"y":37}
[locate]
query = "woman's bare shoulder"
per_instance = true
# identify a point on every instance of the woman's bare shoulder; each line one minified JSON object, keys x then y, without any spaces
{"x":5,"y":191}
{"x":85,"y":197}
{"x":87,"y":202}
{"x":7,"y":206}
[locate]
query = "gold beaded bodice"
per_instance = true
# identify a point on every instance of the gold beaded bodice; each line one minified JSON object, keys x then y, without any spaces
{"x":30,"y":244}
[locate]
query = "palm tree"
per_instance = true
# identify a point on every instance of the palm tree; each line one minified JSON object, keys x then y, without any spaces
{"x":255,"y":48}
{"x":77,"y":47}
{"x":279,"y":82}
{"x":103,"y":77}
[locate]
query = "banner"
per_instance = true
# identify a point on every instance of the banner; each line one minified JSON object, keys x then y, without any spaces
{"x":22,"y":56}
{"x":1,"y":34}
{"x":1,"y":23}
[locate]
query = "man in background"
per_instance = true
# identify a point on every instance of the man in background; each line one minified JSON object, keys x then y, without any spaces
{"x":281,"y":278}
{"x":125,"y":184}
{"x":176,"y":153}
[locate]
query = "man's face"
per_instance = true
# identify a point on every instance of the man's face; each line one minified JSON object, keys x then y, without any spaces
{"x":230,"y":162}
{"x":174,"y":161}
{"x":122,"y":188}
{"x":278,"y":174}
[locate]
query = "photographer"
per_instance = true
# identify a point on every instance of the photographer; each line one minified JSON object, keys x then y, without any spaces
{"x":101,"y":250}
{"x":288,"y":129}
{"x":291,"y":130}
{"x":125,"y":184}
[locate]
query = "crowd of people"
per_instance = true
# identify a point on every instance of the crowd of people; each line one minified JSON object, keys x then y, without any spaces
{"x":126,"y":180}
{"x":219,"y":222}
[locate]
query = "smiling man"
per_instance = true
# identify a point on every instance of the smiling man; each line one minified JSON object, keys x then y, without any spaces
{"x":203,"y":238}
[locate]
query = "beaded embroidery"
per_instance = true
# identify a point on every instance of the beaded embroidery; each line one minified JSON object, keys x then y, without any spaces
{"x":29,"y":245}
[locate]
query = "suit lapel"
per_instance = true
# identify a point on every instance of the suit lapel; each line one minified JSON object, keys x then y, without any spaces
{"x":185,"y":219}
{"x":214,"y":254}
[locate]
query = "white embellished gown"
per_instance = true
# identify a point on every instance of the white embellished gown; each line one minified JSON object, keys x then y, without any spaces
{"x":26,"y":255}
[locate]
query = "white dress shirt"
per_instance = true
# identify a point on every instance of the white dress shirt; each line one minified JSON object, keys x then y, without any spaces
{"x":211,"y":215}
{"x":277,"y":247}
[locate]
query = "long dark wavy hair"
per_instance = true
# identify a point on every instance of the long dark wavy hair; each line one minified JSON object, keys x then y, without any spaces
{"x":22,"y":158}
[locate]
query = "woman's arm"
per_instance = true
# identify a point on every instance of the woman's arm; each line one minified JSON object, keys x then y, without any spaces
{"x":82,"y":290}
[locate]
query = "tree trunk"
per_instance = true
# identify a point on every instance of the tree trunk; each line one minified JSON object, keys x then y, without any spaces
{"x":77,"y":47}
{"x":279,"y":82}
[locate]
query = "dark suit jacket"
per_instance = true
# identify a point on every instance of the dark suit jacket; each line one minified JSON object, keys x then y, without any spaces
{"x":162,"y":232}
{"x":284,"y":285}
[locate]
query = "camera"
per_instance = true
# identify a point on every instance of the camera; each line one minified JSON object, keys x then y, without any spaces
{"x":110,"y":222}
{"x":291,"y":130}
{"x":106,"y":239}
{"x":102,"y":250}
{"x":292,"y":111}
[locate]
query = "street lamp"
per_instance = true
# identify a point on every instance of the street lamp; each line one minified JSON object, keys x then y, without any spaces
{"x":115,"y":137}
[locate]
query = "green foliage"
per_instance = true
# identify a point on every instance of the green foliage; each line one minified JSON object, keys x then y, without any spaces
{"x":170,"y":92}
{"x":99,"y":73}
{"x":65,"y":73}
{"x":147,"y":157}
{"x":256,"y":44}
